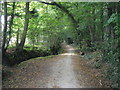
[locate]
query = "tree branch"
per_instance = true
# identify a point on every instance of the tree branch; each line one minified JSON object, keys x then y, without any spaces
{"x":63,"y":9}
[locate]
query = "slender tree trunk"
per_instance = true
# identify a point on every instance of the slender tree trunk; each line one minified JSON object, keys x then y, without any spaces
{"x":118,"y":15}
{"x":17,"y":37}
{"x":33,"y":42}
{"x":113,"y":24}
{"x":5,"y":28}
{"x":110,"y":12}
{"x":0,"y":38}
{"x":10,"y":25}
{"x":101,"y":24}
{"x":118,"y":46}
{"x":91,"y":33}
{"x":21,"y":45}
{"x":93,"y":26}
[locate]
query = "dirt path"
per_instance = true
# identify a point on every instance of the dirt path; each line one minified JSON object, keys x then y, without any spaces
{"x":67,"y":70}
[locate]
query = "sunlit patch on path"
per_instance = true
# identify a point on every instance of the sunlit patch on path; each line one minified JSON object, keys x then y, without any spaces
{"x":68,"y":54}
{"x":69,"y":51}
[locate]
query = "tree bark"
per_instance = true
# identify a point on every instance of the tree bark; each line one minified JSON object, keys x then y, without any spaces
{"x":101,"y":23}
{"x":22,"y":42}
{"x":64,"y":9}
{"x":5,"y":28}
{"x":111,"y":10}
{"x":94,"y":25}
{"x":91,"y":33}
{"x":10,"y":25}
{"x":17,"y":37}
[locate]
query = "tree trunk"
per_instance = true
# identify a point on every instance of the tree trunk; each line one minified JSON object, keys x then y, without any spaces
{"x":5,"y":28}
{"x":1,"y":38}
{"x":118,"y":12}
{"x":101,"y":24}
{"x":93,"y":29}
{"x":111,"y":10}
{"x":10,"y":25}
{"x":91,"y":33}
{"x":17,"y":37}
{"x":21,"y":45}
{"x":64,"y":9}
{"x":33,"y":42}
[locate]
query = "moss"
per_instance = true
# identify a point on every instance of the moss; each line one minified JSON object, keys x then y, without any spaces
{"x":24,"y":63}
{"x":15,"y":57}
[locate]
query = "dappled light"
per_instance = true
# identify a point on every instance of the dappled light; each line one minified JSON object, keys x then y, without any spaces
{"x":70,"y":51}
{"x":68,"y":54}
{"x":60,"y":44}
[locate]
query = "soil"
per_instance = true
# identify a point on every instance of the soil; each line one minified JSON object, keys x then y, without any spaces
{"x":66,"y":70}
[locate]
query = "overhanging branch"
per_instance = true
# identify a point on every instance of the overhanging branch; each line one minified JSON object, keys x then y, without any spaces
{"x":63,"y":9}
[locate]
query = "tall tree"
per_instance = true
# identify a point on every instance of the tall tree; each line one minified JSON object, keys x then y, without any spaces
{"x":5,"y":28}
{"x":10,"y":25}
{"x":22,"y":42}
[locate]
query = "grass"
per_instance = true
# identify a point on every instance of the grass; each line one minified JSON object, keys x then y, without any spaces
{"x":24,"y":63}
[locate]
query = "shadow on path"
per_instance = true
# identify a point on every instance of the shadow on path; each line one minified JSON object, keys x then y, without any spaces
{"x":66,"y":70}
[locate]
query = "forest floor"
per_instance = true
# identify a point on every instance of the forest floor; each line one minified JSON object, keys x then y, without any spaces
{"x":66,"y":70}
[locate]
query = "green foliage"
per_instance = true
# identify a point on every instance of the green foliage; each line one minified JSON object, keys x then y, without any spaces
{"x":97,"y":29}
{"x":113,"y":75}
{"x":112,"y":19}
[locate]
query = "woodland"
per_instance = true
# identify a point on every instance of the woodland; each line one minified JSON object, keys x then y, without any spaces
{"x":37,"y":29}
